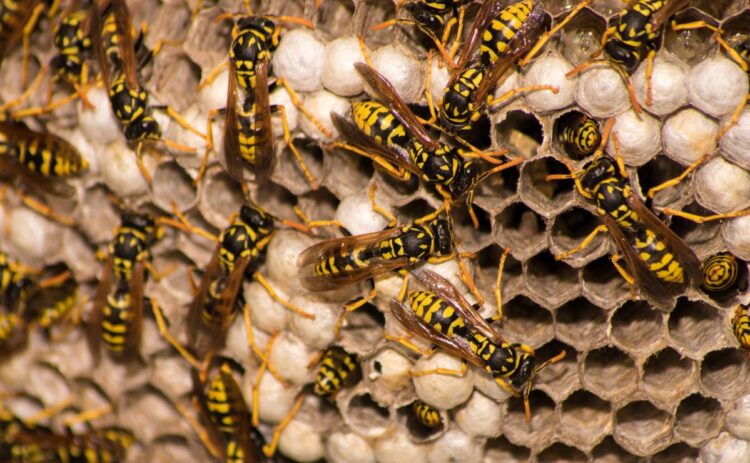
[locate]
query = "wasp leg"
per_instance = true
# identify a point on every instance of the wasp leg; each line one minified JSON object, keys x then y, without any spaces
{"x":498,"y":285}
{"x":351,"y":307}
{"x":290,"y":143}
{"x":26,"y":43}
{"x":296,"y":101}
{"x":447,"y":57}
{"x":583,"y":66}
{"x":164,"y":331}
{"x":649,"y":76}
{"x":271,"y":292}
{"x":618,"y":156}
{"x":443,"y":371}
{"x":735,"y":117}
{"x":270,"y":449}
{"x":396,"y":172}
{"x":459,"y":31}
{"x":212,"y":75}
{"x":392,"y":221}
{"x":259,"y":378}
{"x":177,"y":117}
{"x":466,"y":276}
{"x":309,"y":224}
{"x":184,"y":224}
{"x":49,"y":412}
{"x":624,"y":273}
{"x":88,"y":415}
{"x":30,"y":90}
{"x":428,"y":93}
{"x":584,"y":244}
{"x":45,"y":210}
{"x":256,"y":350}
{"x":199,"y":430}
{"x":365,"y":54}
{"x":491,"y":101}
{"x":676,"y":181}
{"x":431,"y":216}
{"x":706,"y":218}
{"x":141,"y":166}
{"x":547,"y":35}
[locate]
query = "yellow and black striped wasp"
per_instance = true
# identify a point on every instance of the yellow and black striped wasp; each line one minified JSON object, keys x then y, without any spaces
{"x":338,"y":262}
{"x":392,"y":136}
{"x":442,"y":316}
{"x":631,"y":38}
{"x":15,"y":284}
{"x":338,"y":368}
{"x":741,"y":327}
{"x":426,"y":415}
{"x":499,"y":36}
{"x":578,"y":134}
{"x":724,"y":276}
{"x":229,"y":434}
{"x":106,"y":445}
{"x":115,"y":50}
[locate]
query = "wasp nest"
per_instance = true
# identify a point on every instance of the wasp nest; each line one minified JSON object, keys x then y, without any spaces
{"x":636,"y":382}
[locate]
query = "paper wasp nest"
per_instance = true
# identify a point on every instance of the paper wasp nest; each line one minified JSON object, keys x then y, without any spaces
{"x":636,"y":382}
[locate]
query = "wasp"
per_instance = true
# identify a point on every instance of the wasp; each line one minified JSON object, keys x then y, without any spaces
{"x":442,"y":316}
{"x":741,"y":327}
{"x":724,"y":275}
{"x":339,"y":262}
{"x":578,"y":134}
{"x":223,"y":409}
{"x":393,"y":137}
{"x":37,"y":444}
{"x":17,"y":20}
{"x":632,"y":37}
{"x":15,"y":283}
{"x":426,"y":415}
{"x":338,"y":368}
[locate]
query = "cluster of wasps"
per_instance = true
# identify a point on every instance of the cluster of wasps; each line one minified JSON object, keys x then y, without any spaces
{"x":502,"y":36}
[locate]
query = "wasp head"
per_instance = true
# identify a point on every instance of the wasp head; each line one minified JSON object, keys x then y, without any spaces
{"x":256,"y":217}
{"x":599,"y":170}
{"x":144,"y":128}
{"x":426,"y":17}
{"x":624,"y":55}
{"x":443,"y":233}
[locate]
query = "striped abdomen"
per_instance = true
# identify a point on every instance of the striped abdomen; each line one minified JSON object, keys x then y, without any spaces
{"x":496,"y":39}
{"x":117,"y":320}
{"x":741,"y":326}
{"x":437,"y":313}
{"x":336,"y":368}
{"x":377,"y":122}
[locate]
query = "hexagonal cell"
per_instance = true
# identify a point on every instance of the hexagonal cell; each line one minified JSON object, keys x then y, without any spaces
{"x":667,"y":376}
{"x":676,"y":453}
{"x":719,"y":9}
{"x":472,"y":239}
{"x":347,"y":173}
{"x":288,"y":172}
{"x":559,"y":379}
{"x":698,"y":419}
{"x":637,"y":327}
{"x":363,"y":327}
{"x":545,"y":197}
{"x":485,"y":277}
{"x":581,"y":37}
{"x":642,"y":428}
{"x":171,"y":184}
{"x":609,"y":452}
{"x":603,"y":285}
{"x":609,"y":373}
{"x":568,"y":119}
{"x":570,"y":228}
{"x":321,"y":204}
{"x":219,"y":198}
{"x":585,"y":419}
{"x":366,"y":415}
{"x":718,"y":269}
{"x":540,"y":429}
{"x":695,"y":328}
{"x":724,"y":373}
{"x":519,"y":228}
{"x":417,"y":431}
{"x":558,"y":453}
{"x":700,"y":237}
{"x":412,"y":211}
{"x":606,"y":8}
{"x":657,"y":171}
{"x":495,"y":190}
{"x":520,"y":132}
{"x":500,"y":449}
{"x":552,"y":281}
{"x":691,"y":46}
{"x":527,"y":322}
{"x":581,"y":324}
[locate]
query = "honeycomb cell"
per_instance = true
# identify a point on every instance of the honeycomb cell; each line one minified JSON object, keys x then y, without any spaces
{"x":520,"y":132}
{"x":609,"y":373}
{"x":641,"y":428}
{"x":657,"y":171}
{"x":500,"y":449}
{"x":558,"y":453}
{"x":497,"y":190}
{"x":545,"y":197}
{"x":559,"y":379}
{"x":172,"y":185}
{"x":698,"y":419}
{"x":693,"y":45}
{"x":417,"y":431}
{"x":724,"y":374}
{"x":718,"y":9}
{"x":609,"y":452}
{"x":638,"y":328}
{"x":552,"y":281}
{"x":539,"y":430}
{"x":519,"y":228}
{"x":676,"y":453}
{"x":581,"y":324}
{"x":218,"y":198}
{"x":639,"y":138}
{"x":570,"y":228}
{"x":486,"y":273}
{"x":346,"y":173}
{"x":581,"y":37}
{"x":695,"y":328}
{"x":527,"y":322}
{"x":603,"y":285}
{"x":668,"y":85}
{"x":585,"y":419}
{"x":668,"y":376}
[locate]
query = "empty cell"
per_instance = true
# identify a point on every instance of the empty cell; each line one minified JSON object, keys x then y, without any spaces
{"x":606,"y":7}
{"x":609,"y":373}
{"x":366,"y":415}
{"x":724,"y":373}
{"x":609,"y":452}
{"x":498,"y":187}
{"x":641,"y":428}
{"x":559,"y":453}
{"x":694,"y":328}
{"x":520,"y":229}
{"x":603,"y":284}
{"x":540,"y":429}
{"x":585,"y":418}
{"x":486,"y":268}
{"x":554,"y":281}
{"x":581,"y":324}
{"x":520,"y":132}
{"x":347,"y":173}
{"x":412,"y":211}
{"x":527,"y":322}
{"x":657,"y":171}
{"x":676,"y":453}
{"x":469,"y":237}
{"x":172,"y":185}
{"x":219,"y":198}
{"x":698,"y":419}
{"x":637,"y":327}
{"x":667,"y":375}
{"x":559,"y":379}
{"x":581,"y":37}
{"x":544,"y":196}
{"x":570,"y":228}
{"x":698,"y":236}
{"x":719,"y":9}
{"x":500,"y":449}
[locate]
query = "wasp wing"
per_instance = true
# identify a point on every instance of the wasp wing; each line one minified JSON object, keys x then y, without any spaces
{"x":488,"y":11}
{"x":126,"y":44}
{"x":397,"y":106}
{"x":94,"y":328}
{"x":232,"y":155}
{"x":265,"y":149}
{"x":195,"y":313}
{"x":671,"y":7}
{"x":95,"y":27}
{"x":199,"y":402}
{"x":133,"y":343}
